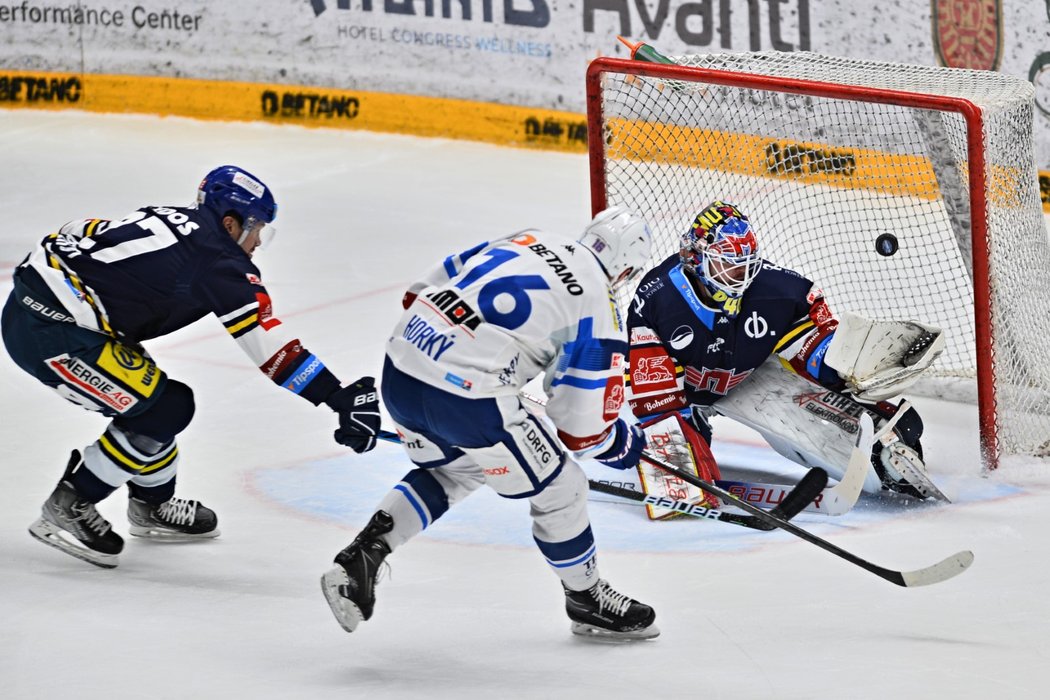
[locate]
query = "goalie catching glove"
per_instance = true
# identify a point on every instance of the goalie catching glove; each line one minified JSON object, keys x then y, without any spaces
{"x":880,"y":359}
{"x":626,"y":449}
{"x":358,"y":409}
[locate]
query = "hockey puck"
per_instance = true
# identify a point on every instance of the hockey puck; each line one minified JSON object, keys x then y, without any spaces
{"x":886,"y":244}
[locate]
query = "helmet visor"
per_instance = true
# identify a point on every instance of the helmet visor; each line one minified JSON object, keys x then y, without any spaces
{"x":265,"y":232}
{"x":730,"y":273}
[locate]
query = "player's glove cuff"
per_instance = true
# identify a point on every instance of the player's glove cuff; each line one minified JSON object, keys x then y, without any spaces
{"x":359,"y":419}
{"x":626,"y":448}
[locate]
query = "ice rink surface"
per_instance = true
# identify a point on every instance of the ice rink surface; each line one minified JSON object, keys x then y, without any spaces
{"x":470,"y":609}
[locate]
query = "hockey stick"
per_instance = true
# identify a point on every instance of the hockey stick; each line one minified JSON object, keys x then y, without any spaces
{"x":941,"y":571}
{"x":791,"y":505}
{"x":835,"y":501}
{"x":804,"y":492}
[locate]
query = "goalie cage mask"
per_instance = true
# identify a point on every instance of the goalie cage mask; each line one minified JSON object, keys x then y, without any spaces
{"x":720,"y":249}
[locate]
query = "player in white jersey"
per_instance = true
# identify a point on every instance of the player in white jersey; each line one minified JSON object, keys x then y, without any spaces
{"x":476,"y":329}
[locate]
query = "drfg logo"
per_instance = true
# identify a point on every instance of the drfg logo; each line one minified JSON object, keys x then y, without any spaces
{"x":695,"y":21}
{"x":538,"y":15}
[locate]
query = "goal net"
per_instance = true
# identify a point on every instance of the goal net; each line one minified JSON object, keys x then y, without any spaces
{"x":826,"y":155}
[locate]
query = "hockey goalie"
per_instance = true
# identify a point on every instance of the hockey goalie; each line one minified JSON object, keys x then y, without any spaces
{"x":716,"y":329}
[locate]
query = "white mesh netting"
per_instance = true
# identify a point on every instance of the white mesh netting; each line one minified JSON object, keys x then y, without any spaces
{"x":821,"y":178}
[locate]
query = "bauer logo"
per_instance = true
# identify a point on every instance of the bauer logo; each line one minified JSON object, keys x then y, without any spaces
{"x":968,"y":33}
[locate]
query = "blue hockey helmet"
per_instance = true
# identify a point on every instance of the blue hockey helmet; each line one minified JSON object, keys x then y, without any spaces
{"x":230,"y":190}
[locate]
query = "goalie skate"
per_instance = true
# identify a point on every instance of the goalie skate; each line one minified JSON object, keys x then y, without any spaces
{"x":903,"y":471}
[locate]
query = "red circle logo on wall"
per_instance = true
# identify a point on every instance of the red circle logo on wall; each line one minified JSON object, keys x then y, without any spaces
{"x":968,"y":33}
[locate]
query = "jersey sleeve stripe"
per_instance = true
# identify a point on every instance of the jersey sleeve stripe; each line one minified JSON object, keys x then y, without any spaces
{"x":239,"y":328}
{"x":793,"y":334}
{"x":580,"y":383}
{"x":237,"y":314}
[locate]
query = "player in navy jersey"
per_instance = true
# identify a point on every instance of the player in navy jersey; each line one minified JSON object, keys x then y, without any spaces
{"x":88,"y":296}
{"x":708,"y":318}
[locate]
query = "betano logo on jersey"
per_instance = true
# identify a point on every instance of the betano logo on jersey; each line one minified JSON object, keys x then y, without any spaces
{"x":553,"y":260}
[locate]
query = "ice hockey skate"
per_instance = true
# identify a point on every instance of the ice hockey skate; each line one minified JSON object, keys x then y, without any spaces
{"x":175,"y":520}
{"x":73,"y":525}
{"x":349,"y":586}
{"x":902,"y":471}
{"x":603,"y":614}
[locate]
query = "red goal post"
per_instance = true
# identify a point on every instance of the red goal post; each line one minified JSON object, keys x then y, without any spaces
{"x":825,"y":155}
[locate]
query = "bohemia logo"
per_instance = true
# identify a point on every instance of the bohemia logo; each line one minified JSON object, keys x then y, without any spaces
{"x":968,"y":33}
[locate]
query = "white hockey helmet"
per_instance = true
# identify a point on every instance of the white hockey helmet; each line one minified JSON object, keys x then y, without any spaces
{"x":622,"y":242}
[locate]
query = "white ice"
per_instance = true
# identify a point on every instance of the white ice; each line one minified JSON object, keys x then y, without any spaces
{"x":470,"y":609}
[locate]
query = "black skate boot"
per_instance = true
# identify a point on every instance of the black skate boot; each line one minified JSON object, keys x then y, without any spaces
{"x":175,"y":520}
{"x":603,"y":614}
{"x":349,"y":587}
{"x":74,"y":526}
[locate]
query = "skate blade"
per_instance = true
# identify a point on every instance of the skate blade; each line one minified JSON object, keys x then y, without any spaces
{"x":346,"y":613}
{"x":604,"y":636}
{"x":54,"y":536}
{"x":160,"y":534}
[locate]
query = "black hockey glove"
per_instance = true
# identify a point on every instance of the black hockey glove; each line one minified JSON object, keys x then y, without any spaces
{"x":627,"y":446}
{"x":358,"y":409}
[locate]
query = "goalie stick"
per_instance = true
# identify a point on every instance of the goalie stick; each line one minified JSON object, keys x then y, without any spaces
{"x":943,"y":570}
{"x":800,"y":496}
{"x":837,"y":500}
{"x":947,"y":568}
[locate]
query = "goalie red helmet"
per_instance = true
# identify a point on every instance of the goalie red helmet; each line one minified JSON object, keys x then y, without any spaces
{"x":721,"y":250}
{"x":622,"y":242}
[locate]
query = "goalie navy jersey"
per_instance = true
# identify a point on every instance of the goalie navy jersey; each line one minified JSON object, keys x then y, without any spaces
{"x":684,"y":352}
{"x":160,"y":269}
